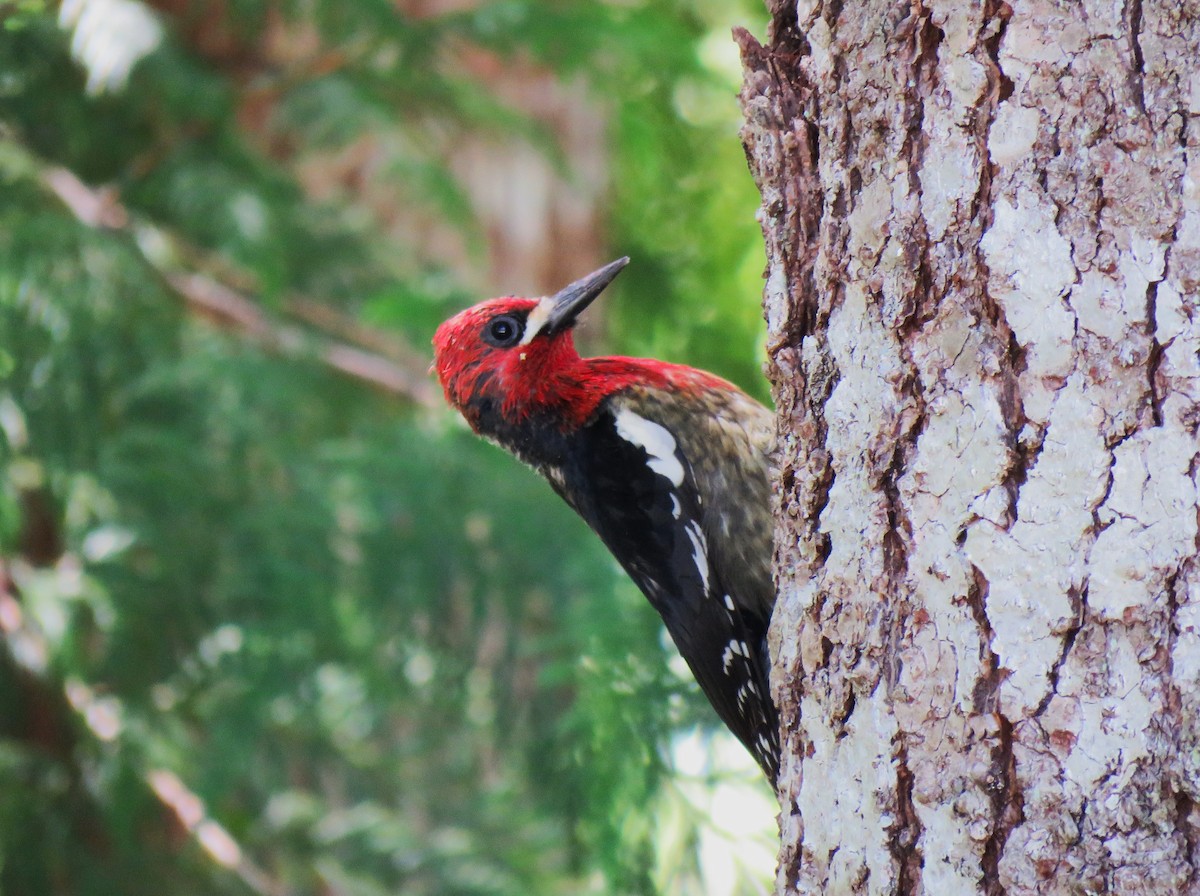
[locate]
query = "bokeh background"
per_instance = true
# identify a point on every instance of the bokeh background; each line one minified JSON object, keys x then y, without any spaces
{"x":271,"y":620}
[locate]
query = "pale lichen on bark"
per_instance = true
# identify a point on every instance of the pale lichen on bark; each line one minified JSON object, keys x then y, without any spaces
{"x":983,"y":233}
{"x":1106,"y":513}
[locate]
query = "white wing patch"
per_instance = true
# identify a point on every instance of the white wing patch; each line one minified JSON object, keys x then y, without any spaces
{"x":699,"y":552}
{"x":655,"y":440}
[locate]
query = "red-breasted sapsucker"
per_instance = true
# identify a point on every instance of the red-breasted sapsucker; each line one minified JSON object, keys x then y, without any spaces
{"x":666,"y":463}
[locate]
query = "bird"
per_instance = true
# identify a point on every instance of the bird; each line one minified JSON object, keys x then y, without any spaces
{"x":666,"y":463}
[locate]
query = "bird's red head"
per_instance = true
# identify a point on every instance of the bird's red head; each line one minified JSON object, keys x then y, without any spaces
{"x":512,"y":358}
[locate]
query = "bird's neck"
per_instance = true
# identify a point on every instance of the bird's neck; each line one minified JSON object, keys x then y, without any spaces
{"x":574,"y":392}
{"x":539,"y":409}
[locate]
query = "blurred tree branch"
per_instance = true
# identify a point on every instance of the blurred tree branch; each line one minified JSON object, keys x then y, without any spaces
{"x":378,"y":359}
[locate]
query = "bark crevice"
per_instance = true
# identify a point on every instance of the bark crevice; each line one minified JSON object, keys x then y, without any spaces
{"x":1078,"y":598}
{"x":905,"y":837}
{"x":1156,"y":354}
{"x":1137,"y":73}
{"x":1007,"y":800}
{"x":1187,"y":822}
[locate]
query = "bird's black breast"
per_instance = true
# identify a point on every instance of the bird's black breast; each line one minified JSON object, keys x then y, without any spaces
{"x":640,"y":513}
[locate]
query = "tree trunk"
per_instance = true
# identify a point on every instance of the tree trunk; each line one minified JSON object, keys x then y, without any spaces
{"x":983,"y":236}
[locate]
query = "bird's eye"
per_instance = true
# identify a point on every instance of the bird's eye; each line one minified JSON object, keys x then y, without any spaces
{"x":503,"y":331}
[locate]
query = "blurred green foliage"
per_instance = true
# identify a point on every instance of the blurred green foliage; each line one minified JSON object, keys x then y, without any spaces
{"x":383,"y":655}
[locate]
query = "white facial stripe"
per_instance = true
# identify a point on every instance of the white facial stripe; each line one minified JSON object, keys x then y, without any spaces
{"x":537,"y":320}
{"x":652,"y":438}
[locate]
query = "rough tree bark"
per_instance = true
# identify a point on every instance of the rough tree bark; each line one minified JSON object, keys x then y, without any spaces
{"x":983,"y":233}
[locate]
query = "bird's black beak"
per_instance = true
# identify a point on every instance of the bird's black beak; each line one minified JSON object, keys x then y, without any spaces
{"x":569,"y":301}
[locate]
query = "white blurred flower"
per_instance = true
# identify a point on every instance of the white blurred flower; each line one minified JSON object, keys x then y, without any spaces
{"x":105,"y":543}
{"x":108,"y":37}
